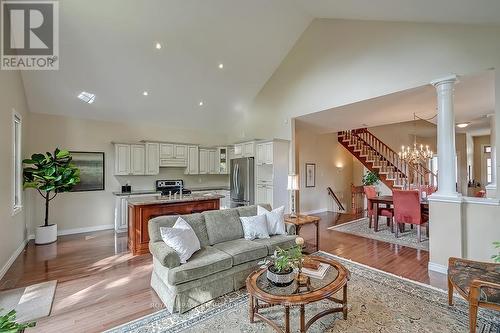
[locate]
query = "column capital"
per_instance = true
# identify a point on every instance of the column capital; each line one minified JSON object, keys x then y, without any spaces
{"x":447,"y":79}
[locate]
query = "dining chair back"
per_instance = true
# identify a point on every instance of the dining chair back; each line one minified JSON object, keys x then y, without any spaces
{"x":370,"y":192}
{"x":407,"y":210}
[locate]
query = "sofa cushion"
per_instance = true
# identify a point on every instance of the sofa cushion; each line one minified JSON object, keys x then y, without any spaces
{"x":281,"y":241}
{"x":245,"y":211}
{"x":196,"y":221}
{"x":242,"y":250}
{"x":223,"y":225}
{"x":206,"y":261}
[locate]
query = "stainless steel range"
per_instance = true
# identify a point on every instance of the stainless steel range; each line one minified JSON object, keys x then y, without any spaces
{"x":171,"y":187}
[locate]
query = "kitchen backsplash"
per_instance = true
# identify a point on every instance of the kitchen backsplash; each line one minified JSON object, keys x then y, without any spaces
{"x":190,"y":181}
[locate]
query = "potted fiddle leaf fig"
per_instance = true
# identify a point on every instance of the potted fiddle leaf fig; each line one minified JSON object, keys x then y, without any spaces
{"x":370,"y":178}
{"x":50,"y":174}
{"x":496,"y":257}
{"x":8,"y":323}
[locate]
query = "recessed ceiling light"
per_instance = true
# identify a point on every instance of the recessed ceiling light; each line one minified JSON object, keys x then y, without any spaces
{"x":221,"y":65}
{"x":145,"y":93}
{"x":463,"y":125}
{"x":87,"y":97}
{"x":201,"y":103}
{"x":158,"y":45}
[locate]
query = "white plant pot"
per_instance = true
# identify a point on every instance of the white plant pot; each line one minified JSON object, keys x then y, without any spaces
{"x":46,"y":235}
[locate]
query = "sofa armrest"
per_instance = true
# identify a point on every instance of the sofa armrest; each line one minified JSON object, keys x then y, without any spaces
{"x":290,"y":228}
{"x":165,"y":254}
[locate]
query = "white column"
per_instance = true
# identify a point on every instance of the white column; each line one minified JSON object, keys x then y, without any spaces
{"x":492,"y":186}
{"x":446,"y":137}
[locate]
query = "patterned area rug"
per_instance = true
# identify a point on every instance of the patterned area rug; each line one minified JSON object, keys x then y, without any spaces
{"x":378,"y":302}
{"x":408,"y":238}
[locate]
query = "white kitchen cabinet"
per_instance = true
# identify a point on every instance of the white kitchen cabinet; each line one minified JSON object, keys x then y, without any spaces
{"x":268,"y":153}
{"x":121,"y":210}
{"x":238,"y":151}
{"x":137,"y":159}
{"x":259,"y":154}
{"x":173,"y":155}
{"x":122,"y":159}
{"x":192,"y":161}
{"x":222,"y":160}
{"x":204,"y":167}
{"x":166,"y":150}
{"x":249,"y":149}
{"x":212,"y":162}
{"x":264,"y":194}
{"x":152,"y":158}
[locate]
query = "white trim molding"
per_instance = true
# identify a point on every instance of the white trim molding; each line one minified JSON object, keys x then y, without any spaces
{"x":315,"y":211}
{"x":437,"y":268}
{"x":12,"y":258}
{"x":85,"y":229}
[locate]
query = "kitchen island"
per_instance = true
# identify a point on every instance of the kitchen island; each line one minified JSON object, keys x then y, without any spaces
{"x":142,"y":209}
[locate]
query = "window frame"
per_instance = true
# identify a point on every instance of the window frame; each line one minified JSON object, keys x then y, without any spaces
{"x":17,"y":164}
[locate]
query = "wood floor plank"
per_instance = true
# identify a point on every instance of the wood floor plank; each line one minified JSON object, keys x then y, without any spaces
{"x":101,"y":285}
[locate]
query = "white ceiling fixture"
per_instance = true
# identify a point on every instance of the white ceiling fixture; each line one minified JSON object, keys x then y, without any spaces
{"x":87,"y":97}
{"x":145,"y":93}
{"x":221,"y":66}
{"x":158,"y":45}
{"x":463,"y":125}
{"x":201,"y":103}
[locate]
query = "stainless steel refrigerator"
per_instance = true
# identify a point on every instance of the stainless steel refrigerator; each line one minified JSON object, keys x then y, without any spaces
{"x":242,"y":182}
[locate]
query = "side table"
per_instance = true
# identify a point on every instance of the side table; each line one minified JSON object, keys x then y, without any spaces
{"x":302,"y":220}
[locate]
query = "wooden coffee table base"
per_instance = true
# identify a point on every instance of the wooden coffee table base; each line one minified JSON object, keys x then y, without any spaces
{"x":254,"y":308}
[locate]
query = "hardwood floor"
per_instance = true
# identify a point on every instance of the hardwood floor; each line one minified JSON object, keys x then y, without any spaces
{"x":101,"y":285}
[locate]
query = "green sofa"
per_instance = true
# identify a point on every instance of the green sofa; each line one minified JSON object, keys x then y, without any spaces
{"x":221,"y":266}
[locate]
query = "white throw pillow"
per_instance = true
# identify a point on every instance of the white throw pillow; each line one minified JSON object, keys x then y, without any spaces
{"x":275,"y":220}
{"x":181,"y":238}
{"x":254,"y":227}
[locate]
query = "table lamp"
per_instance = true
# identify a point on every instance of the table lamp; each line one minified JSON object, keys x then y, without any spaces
{"x":293,"y":185}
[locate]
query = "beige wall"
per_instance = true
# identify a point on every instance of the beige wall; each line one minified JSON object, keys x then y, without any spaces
{"x":91,"y":209}
{"x":334,"y":168}
{"x":479,"y":173}
{"x":482,"y":228}
{"x":13,"y":228}
{"x":398,"y":134}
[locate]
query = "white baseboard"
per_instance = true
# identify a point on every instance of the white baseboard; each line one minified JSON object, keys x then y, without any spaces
{"x":85,"y":229}
{"x":12,"y":258}
{"x":316,"y":211}
{"x":437,"y":268}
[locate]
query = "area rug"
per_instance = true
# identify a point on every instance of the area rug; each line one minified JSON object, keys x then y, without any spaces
{"x":31,"y":302}
{"x":378,"y":302}
{"x":360,"y":228}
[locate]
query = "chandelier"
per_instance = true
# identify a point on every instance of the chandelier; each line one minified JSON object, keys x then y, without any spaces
{"x":416,"y":154}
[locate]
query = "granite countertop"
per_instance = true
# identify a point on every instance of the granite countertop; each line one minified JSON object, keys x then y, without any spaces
{"x":138,"y":192}
{"x":158,"y":199}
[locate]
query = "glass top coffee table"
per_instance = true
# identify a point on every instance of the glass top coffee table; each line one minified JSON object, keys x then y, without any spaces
{"x":263,"y":294}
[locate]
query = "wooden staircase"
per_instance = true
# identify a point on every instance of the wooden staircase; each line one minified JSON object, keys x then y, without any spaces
{"x":376,"y":156}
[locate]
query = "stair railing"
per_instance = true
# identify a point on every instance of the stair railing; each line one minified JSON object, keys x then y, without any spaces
{"x":413,"y":173}
{"x":335,"y":198}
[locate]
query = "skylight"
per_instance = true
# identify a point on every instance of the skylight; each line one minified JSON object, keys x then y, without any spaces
{"x":87,"y":97}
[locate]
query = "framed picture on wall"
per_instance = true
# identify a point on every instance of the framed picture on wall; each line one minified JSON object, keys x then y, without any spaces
{"x":310,"y":174}
{"x":91,"y":165}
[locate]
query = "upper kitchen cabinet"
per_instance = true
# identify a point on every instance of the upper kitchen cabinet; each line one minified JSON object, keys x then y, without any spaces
{"x":173,"y":155}
{"x":212,"y":162}
{"x":245,"y":149}
{"x":152,"y":158}
{"x":208,"y":161}
{"x":264,"y":153}
{"x":222,"y":160}
{"x":192,"y":160}
{"x":129,"y":159}
{"x":203,"y":161}
{"x":122,"y":159}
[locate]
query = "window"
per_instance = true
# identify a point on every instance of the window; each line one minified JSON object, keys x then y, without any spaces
{"x":17,"y":185}
{"x":487,"y":149}
{"x":488,"y":170}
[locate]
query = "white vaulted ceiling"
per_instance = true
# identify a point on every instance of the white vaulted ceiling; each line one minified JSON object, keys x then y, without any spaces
{"x":107,"y":47}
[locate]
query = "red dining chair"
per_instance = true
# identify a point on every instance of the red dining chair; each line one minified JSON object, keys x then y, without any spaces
{"x":371,"y":192}
{"x":407,"y":209}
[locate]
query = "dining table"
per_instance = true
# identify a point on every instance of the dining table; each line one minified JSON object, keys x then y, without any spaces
{"x":388,"y":201}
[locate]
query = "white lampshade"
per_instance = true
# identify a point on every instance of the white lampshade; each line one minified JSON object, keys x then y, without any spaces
{"x":293,"y":182}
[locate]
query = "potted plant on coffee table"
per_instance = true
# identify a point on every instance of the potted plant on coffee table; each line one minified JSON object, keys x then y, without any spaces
{"x":50,"y":174}
{"x":280,"y":271}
